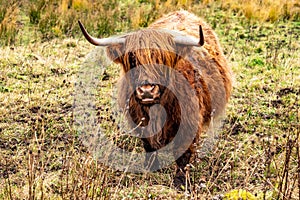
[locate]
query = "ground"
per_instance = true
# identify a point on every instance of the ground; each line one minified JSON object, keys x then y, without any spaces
{"x":41,"y":155}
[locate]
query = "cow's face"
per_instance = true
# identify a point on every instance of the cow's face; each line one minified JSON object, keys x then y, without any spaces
{"x":148,"y":81}
{"x":149,"y":73}
{"x":147,"y":55}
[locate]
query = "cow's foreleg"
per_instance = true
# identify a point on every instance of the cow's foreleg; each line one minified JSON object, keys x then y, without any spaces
{"x":151,"y":162}
{"x":181,"y":162}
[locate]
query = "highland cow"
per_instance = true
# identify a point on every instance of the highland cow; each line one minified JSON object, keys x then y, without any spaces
{"x":155,"y":59}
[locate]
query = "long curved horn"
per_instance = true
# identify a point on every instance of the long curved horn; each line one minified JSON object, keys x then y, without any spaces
{"x":183,"y":40}
{"x":103,"y":41}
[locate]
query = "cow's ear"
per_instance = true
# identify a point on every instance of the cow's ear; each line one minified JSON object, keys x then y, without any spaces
{"x":116,"y":53}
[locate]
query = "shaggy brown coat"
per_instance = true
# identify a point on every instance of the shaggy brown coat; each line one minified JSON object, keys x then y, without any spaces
{"x":205,"y":68}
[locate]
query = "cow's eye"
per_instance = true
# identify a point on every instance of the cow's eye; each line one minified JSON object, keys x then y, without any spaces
{"x":132,"y":60}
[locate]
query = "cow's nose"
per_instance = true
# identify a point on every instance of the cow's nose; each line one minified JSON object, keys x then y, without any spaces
{"x":148,"y":93}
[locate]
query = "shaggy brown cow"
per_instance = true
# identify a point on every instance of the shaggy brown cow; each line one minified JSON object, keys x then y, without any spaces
{"x":171,"y":41}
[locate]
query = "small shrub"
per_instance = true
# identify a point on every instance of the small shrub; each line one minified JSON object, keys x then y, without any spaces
{"x":267,"y":10}
{"x":47,"y":23}
{"x":35,"y":9}
{"x":256,"y":62}
{"x":9,"y":12}
{"x":80,"y":5}
{"x":239,"y":195}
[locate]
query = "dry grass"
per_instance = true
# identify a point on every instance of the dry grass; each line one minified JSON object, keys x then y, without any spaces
{"x":8,"y":21}
{"x":266,"y":10}
{"x":58,"y":18}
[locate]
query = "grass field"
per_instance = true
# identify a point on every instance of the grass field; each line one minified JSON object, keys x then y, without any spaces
{"x":257,"y":155}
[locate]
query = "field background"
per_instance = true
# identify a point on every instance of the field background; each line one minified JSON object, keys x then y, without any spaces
{"x":257,"y":155}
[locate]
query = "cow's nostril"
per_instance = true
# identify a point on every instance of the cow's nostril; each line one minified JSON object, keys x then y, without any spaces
{"x":139,"y":91}
{"x":155,"y":89}
{"x":148,"y":93}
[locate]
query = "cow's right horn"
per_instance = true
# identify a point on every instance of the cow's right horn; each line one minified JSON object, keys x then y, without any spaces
{"x":103,"y":41}
{"x":183,"y":40}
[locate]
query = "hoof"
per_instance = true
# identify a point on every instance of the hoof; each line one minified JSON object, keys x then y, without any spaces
{"x":179,"y":181}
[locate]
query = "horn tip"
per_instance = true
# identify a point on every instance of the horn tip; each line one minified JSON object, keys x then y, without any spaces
{"x":80,"y":24}
{"x":201,"y":39}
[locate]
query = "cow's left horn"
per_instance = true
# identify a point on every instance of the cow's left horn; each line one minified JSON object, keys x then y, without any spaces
{"x":103,"y":41}
{"x":183,"y":40}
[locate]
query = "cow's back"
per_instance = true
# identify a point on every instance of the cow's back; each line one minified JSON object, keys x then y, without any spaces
{"x":208,"y":59}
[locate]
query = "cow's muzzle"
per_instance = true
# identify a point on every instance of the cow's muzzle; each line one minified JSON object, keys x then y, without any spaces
{"x":148,"y":93}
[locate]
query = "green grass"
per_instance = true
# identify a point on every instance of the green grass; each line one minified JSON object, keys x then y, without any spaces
{"x":41,"y":156}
